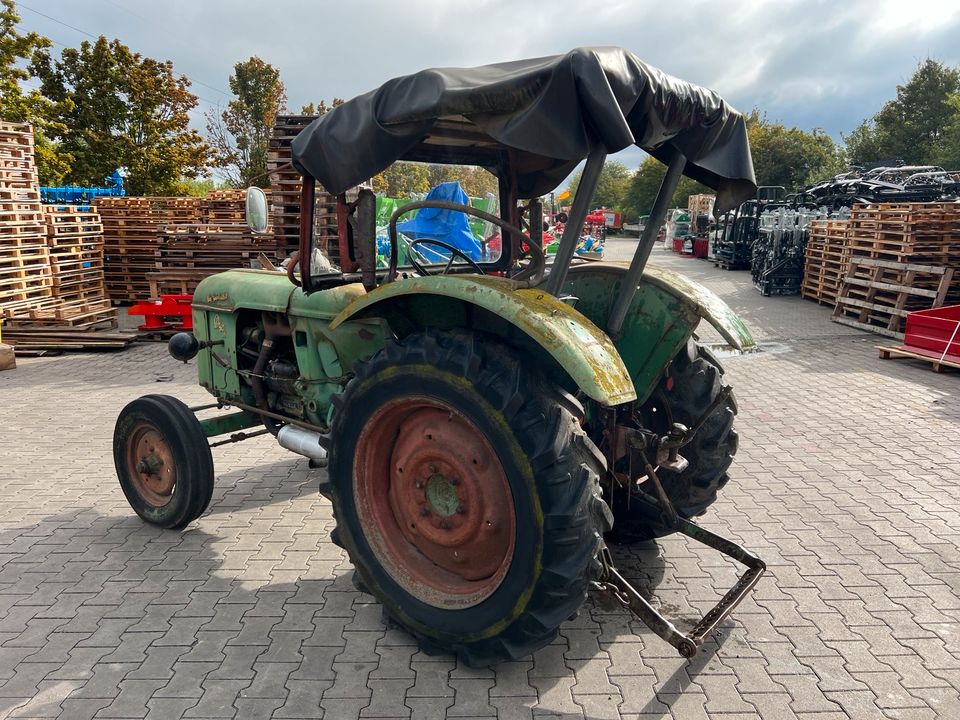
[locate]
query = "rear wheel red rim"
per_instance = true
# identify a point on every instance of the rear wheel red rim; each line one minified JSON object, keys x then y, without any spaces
{"x":151,"y":465}
{"x":434,"y":502}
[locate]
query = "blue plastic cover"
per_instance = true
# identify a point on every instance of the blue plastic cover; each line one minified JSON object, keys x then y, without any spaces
{"x":443,"y":225}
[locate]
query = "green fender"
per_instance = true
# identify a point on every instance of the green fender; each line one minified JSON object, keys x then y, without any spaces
{"x":708,"y":305}
{"x":581,"y":349}
{"x":664,"y":313}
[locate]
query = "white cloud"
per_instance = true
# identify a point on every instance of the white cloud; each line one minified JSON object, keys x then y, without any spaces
{"x":806,"y":62}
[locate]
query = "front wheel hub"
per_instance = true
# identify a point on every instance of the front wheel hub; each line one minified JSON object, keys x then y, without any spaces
{"x":151,"y":465}
{"x":434,"y":502}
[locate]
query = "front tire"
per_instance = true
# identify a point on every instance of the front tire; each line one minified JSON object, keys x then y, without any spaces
{"x":163,"y":461}
{"x":466,"y":495}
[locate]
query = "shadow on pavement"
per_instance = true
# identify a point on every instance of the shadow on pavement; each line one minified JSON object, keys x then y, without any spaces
{"x":124,"y":596}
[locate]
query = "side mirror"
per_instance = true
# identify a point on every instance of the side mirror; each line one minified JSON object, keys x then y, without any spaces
{"x":257,"y":217}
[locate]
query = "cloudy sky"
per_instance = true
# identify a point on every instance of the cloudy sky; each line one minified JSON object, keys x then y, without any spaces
{"x":808,"y":63}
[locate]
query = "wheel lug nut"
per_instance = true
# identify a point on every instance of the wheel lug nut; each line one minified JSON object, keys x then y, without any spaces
{"x":461,"y":510}
{"x":454,"y":481}
{"x":425,"y":511}
{"x":444,"y":525}
{"x":433,"y":468}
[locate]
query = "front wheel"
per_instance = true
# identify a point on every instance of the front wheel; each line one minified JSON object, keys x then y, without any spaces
{"x":466,"y":494}
{"x":692,"y":383}
{"x":163,"y":461}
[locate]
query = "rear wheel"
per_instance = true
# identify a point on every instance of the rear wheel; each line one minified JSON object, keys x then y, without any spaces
{"x":466,"y":494}
{"x":163,"y":461}
{"x":693,"y":382}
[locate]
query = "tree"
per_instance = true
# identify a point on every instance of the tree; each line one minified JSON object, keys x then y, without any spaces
{"x":911,"y":127}
{"x":117,"y":108}
{"x":645,"y":184}
{"x":321,"y":107}
{"x":477,"y":182}
{"x":951,"y":136}
{"x":240,"y":134}
{"x":611,"y":186}
{"x":30,"y":107}
{"x":791,"y":157}
{"x":401,"y":179}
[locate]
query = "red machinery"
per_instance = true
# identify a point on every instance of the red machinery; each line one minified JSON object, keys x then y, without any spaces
{"x":934,"y":333}
{"x":170,"y":312}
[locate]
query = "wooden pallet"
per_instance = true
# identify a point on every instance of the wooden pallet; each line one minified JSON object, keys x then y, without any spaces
{"x":877,"y":294}
{"x":36,"y":340}
{"x":174,"y":282}
{"x":826,"y":261}
{"x":285,"y":184}
{"x":132,"y":227}
{"x":65,"y":313}
{"x":938,"y":365}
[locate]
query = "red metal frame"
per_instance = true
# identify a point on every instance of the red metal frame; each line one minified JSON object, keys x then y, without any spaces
{"x":934,"y":333}
{"x":170,"y":312}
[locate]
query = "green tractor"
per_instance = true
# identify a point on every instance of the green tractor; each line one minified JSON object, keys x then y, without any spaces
{"x":488,"y":424}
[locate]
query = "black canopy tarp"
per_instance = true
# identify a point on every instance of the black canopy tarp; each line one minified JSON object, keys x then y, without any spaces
{"x":550,"y":111}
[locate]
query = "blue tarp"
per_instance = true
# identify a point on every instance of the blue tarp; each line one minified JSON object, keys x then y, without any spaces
{"x":443,"y":225}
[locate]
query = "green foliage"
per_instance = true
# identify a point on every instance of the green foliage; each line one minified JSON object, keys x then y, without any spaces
{"x":791,"y":157}
{"x":31,"y":106}
{"x":404,"y":178}
{"x":240,"y":134}
{"x":401,"y":179}
{"x":951,"y":136}
{"x":53,"y":166}
{"x":612,"y":185}
{"x":116,"y":108}
{"x":321,"y":107}
{"x":916,"y":126}
{"x":645,"y":184}
{"x":194,"y":187}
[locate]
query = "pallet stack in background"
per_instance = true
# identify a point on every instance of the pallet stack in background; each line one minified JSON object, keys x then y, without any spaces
{"x":132,"y":227}
{"x":285,"y":185}
{"x":51,"y":257}
{"x":187,"y":253}
{"x":884,"y":261}
{"x":903,"y":257}
{"x":826,"y":262}
{"x":158,"y":245}
{"x":26,"y":280}
{"x":219,"y":207}
{"x":75,"y":241}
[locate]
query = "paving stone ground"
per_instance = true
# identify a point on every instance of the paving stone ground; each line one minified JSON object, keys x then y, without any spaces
{"x":846,"y":483}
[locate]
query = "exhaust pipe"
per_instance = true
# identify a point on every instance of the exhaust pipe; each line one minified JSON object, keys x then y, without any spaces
{"x":303,"y":442}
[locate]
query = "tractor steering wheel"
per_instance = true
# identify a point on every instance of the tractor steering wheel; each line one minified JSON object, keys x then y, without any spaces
{"x":454,"y":254}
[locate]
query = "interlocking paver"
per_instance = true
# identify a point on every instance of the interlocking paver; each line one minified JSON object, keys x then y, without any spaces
{"x":252,"y":612}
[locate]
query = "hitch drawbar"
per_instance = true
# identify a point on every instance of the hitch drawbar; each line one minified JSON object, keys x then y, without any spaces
{"x":687,"y":645}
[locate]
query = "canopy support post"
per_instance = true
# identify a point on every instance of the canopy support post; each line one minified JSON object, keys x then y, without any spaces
{"x":628,"y":287}
{"x":578,"y":213}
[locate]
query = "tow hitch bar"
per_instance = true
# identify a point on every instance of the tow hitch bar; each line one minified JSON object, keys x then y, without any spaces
{"x":687,"y":645}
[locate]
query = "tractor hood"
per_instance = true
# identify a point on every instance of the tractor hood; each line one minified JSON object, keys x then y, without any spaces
{"x":545,"y":114}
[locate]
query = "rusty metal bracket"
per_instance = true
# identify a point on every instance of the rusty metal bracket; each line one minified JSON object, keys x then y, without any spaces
{"x":687,"y":644}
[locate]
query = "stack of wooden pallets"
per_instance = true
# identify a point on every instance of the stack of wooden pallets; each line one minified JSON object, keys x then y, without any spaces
{"x":903,"y":257}
{"x":285,"y":186}
{"x":26,"y":280}
{"x":132,"y":227}
{"x":75,"y":244}
{"x":187,"y":253}
{"x":51,"y":257}
{"x":223,"y":206}
{"x":827,"y":259}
